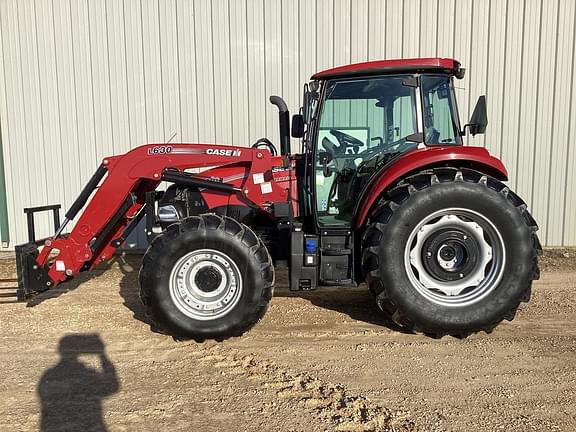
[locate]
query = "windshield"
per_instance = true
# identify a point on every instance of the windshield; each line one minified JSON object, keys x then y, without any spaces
{"x":363,"y":124}
{"x":439,"y":109}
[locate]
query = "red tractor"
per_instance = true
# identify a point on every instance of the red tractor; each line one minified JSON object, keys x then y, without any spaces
{"x":383,"y":192}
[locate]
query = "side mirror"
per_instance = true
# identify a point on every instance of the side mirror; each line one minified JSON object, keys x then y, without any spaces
{"x":297,"y":126}
{"x":479,"y":119}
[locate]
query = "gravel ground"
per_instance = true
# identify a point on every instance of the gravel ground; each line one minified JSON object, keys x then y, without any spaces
{"x":323,"y":361}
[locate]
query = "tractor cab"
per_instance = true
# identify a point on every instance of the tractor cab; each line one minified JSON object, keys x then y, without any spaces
{"x":356,"y":121}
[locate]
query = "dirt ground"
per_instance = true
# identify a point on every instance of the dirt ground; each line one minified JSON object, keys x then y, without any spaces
{"x":325,"y":361}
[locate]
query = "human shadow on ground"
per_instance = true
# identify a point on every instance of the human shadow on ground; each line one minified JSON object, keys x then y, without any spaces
{"x":70,"y":392}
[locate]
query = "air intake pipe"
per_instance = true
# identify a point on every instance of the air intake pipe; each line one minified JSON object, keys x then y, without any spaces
{"x":284,"y":120}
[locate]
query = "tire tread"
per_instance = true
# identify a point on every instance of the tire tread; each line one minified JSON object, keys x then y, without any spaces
{"x":230,"y":227}
{"x":400,"y":193}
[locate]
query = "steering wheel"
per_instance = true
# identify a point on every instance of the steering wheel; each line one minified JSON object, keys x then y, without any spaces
{"x":346,"y":141}
{"x":267,"y":143}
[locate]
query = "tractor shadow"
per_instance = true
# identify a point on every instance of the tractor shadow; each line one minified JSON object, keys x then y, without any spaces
{"x":70,"y":285}
{"x":356,"y":303}
{"x":129,"y":265}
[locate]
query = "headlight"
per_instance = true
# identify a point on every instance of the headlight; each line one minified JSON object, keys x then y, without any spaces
{"x":168,"y":213}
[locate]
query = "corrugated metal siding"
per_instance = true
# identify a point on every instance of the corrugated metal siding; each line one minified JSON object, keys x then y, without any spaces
{"x":80,"y":79}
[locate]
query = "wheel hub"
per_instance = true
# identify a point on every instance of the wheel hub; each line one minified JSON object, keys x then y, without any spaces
{"x":205,"y":284}
{"x":449,"y":254}
{"x":450,"y":257}
{"x":208,"y":279}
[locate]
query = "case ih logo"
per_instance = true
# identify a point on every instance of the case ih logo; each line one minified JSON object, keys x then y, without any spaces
{"x":224,"y":152}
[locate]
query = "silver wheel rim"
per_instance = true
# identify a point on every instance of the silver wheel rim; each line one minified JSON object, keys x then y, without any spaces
{"x":455,"y":257}
{"x":205,"y":284}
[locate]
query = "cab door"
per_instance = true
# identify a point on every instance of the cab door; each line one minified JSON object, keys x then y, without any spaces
{"x":362,"y":122}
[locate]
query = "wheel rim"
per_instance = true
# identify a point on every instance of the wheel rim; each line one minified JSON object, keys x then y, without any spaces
{"x":455,"y":257}
{"x":205,"y":284}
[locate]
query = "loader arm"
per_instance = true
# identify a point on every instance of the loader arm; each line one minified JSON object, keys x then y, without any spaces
{"x":120,"y":201}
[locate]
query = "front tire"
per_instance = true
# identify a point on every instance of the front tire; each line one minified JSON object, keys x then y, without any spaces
{"x":207,"y":277}
{"x":451,"y":252}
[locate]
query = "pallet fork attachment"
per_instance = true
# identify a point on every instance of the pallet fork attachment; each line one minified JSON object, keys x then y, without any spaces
{"x":32,"y":277}
{"x":8,"y":292}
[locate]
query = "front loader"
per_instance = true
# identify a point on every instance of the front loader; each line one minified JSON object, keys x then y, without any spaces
{"x":383,"y":192}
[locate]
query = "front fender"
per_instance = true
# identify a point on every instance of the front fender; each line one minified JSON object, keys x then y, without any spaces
{"x":417,"y":160}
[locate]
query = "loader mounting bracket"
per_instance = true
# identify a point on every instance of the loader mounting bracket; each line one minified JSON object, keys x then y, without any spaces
{"x":32,"y":278}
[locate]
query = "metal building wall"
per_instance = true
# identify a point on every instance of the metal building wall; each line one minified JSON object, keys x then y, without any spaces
{"x":81,"y":79}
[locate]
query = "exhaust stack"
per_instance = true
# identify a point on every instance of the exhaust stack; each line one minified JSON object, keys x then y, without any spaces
{"x":284,"y":120}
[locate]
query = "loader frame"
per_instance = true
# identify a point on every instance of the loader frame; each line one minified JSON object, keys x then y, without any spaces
{"x":120,"y":193}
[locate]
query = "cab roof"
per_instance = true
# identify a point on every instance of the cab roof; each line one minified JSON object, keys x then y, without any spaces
{"x":394,"y":66}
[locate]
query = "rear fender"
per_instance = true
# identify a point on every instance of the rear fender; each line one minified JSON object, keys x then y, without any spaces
{"x":477,"y":158}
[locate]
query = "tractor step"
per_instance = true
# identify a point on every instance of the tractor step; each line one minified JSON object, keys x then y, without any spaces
{"x":8,"y":290}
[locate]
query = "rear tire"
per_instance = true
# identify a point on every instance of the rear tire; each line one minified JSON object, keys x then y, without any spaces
{"x":207,"y":277}
{"x":450,"y":252}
